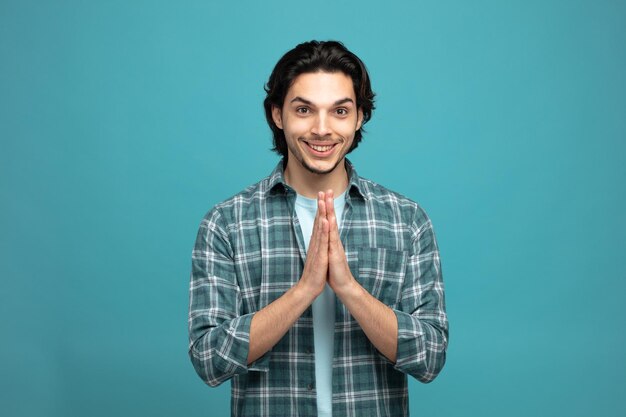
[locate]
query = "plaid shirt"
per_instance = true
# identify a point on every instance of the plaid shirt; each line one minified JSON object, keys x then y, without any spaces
{"x":250,"y":250}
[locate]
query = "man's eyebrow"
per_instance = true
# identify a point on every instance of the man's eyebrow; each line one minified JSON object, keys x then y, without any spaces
{"x":298,"y":98}
{"x":308,"y":102}
{"x":343,"y":101}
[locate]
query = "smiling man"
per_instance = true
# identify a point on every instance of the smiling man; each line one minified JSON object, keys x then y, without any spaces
{"x":317,"y":291}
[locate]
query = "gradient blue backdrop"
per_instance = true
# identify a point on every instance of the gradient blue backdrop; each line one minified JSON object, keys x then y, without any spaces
{"x":122,"y":123}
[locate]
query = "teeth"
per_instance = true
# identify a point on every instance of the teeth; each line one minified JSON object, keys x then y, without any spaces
{"x":321,"y":148}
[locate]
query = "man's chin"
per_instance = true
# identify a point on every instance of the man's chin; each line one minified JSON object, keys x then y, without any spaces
{"x":327,"y":169}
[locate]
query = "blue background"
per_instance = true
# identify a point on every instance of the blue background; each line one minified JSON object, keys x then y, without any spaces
{"x":122,"y":123}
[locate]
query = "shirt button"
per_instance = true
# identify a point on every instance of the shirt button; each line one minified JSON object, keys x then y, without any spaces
{"x":309,"y":387}
{"x":307,"y":351}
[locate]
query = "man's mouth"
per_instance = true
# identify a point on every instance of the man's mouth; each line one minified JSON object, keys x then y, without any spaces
{"x":321,"y":150}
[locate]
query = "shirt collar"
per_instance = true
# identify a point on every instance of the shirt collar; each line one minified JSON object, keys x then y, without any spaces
{"x":355,"y":186}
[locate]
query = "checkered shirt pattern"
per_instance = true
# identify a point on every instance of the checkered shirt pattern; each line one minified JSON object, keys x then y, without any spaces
{"x":249,"y":251}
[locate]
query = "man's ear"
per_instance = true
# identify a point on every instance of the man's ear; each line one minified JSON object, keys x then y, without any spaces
{"x":277,"y":115}
{"x":359,"y":120}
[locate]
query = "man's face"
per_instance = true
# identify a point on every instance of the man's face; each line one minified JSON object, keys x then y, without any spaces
{"x":319,"y":119}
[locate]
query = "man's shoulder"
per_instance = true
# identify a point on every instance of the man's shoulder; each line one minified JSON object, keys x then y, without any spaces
{"x":238,"y":205}
{"x":256,"y":191}
{"x":385,"y":199}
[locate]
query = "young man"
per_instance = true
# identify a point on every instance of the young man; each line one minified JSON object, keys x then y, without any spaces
{"x":315,"y":290}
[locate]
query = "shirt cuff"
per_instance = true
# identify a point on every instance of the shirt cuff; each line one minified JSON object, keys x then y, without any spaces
{"x":410,"y":350}
{"x":239,"y":331}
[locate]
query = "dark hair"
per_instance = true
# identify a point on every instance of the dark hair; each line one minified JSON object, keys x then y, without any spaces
{"x":313,"y":56}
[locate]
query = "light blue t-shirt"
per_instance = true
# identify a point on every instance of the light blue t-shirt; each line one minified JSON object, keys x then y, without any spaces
{"x":323,"y":310}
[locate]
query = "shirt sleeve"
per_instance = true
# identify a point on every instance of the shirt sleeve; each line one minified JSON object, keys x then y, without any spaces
{"x":422,"y":319}
{"x":219,"y":334}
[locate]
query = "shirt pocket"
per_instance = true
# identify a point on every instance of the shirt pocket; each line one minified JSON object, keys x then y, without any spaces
{"x":381,"y":273}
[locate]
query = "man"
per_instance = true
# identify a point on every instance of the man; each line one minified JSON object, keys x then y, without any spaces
{"x":315,"y":290}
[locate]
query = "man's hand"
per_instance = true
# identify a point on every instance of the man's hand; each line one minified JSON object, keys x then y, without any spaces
{"x":376,"y":319}
{"x":274,"y":320}
{"x":340,"y":278}
{"x":315,"y":272}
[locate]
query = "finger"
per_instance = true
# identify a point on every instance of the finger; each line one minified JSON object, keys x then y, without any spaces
{"x":330,"y":204}
{"x":321,"y":205}
{"x":321,"y":208}
{"x":320,"y":197}
{"x":317,"y":216}
{"x":323,"y":236}
{"x":315,"y":232}
{"x":330,"y":210}
{"x":318,"y":233}
{"x":332,"y":219}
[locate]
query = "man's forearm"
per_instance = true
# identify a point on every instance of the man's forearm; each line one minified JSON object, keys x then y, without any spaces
{"x":378,"y":321}
{"x":274,"y":320}
{"x":271,"y":323}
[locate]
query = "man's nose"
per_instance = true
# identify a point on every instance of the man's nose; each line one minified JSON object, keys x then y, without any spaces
{"x":321,"y":125}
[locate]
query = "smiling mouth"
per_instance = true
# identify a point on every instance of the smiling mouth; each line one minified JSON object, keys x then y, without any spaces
{"x":320,"y":149}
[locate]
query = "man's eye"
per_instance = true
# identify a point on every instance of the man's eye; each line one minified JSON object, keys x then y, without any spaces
{"x":302,"y":110}
{"x":342,"y":111}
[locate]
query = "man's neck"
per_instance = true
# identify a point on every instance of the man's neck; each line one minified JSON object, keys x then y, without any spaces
{"x":308,"y":184}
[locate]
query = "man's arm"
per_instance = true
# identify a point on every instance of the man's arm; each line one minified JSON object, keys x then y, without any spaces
{"x":271,"y":323}
{"x":376,"y":319}
{"x":422,"y":318}
{"x":218,"y":331}
{"x":223,"y":341}
{"x":414,"y":337}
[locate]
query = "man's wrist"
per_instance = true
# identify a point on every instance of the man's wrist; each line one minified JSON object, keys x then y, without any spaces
{"x":349,"y":291}
{"x":304,"y":292}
